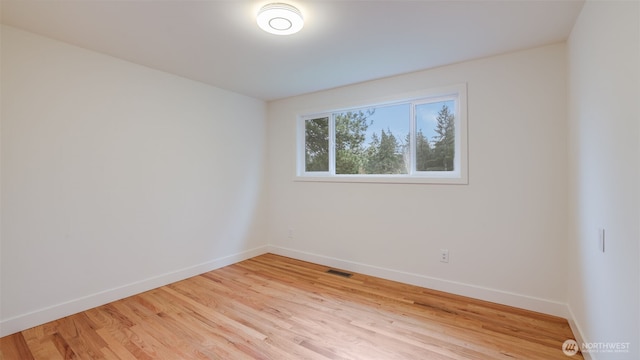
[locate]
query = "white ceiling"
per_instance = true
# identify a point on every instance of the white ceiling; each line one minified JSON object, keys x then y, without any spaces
{"x":343,"y":42}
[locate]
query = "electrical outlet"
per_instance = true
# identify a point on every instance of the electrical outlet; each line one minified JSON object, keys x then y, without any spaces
{"x":444,"y":255}
{"x":290,"y":233}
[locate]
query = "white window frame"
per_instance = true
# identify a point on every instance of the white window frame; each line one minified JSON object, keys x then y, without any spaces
{"x":458,"y":176}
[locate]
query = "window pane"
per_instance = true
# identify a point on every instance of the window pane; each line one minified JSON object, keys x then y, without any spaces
{"x":435,"y":136}
{"x":316,"y":144}
{"x":373,"y":141}
{"x":351,"y":128}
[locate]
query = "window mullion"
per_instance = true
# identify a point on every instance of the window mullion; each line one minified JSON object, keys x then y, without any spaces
{"x":412,"y":140}
{"x":332,"y":144}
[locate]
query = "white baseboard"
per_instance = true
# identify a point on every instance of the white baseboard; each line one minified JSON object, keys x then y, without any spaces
{"x":41,"y":316}
{"x":577,"y":332}
{"x":545,"y":306}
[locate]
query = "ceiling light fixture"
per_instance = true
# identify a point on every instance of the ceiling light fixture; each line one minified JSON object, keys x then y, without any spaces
{"x":280,"y":19}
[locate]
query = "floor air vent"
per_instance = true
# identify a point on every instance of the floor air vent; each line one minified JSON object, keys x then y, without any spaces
{"x":339,"y":273}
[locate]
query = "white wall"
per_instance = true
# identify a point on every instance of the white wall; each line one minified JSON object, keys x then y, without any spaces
{"x":604,"y":79}
{"x":506,"y":230}
{"x":117,"y":178}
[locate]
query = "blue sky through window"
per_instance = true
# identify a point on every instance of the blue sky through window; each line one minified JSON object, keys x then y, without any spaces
{"x":394,"y":117}
{"x":397,"y":119}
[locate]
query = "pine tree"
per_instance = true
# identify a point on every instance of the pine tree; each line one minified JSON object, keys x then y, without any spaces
{"x":351,"y":129}
{"x":444,"y":141}
{"x":423,"y":152}
{"x":317,"y":145}
{"x":385,"y":155}
{"x":371,"y":154}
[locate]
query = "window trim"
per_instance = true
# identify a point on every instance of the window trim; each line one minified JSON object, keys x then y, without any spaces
{"x":460,"y":176}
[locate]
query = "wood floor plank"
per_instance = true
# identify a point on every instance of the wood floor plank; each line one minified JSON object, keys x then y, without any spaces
{"x":15,"y":347}
{"x":273,"y":307}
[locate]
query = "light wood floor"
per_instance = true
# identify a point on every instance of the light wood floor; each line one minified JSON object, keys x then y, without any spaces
{"x":271,"y":307}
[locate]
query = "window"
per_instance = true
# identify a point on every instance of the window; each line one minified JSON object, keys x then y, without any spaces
{"x":416,"y":139}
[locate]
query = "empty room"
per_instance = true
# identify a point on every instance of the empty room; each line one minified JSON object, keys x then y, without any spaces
{"x":308,"y":179}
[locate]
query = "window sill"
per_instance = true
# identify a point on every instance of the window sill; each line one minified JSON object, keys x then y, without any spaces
{"x":384,"y":179}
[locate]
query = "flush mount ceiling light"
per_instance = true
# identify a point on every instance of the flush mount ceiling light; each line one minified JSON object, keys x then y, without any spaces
{"x":280,"y":19}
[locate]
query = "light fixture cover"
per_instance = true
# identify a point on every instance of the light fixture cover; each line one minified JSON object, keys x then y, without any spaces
{"x":280,"y":19}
